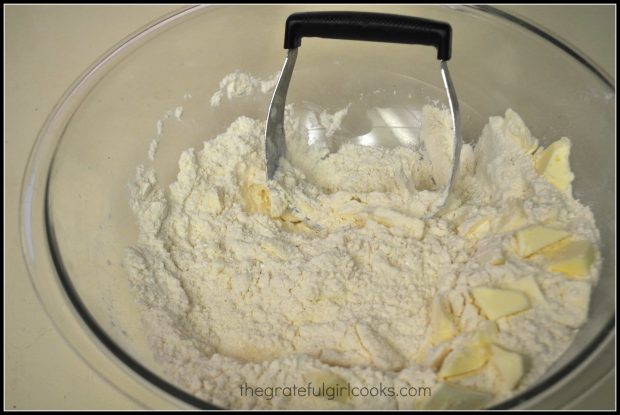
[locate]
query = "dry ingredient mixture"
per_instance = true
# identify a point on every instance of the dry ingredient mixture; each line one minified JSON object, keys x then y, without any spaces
{"x":475,"y":303}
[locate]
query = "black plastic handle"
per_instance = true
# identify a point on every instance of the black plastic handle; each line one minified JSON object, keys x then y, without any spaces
{"x":375,"y":27}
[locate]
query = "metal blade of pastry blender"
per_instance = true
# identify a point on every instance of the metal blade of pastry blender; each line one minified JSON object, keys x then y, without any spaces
{"x":275,"y":146}
{"x":359,"y":26}
{"x":456,"y":127}
{"x":275,"y":143}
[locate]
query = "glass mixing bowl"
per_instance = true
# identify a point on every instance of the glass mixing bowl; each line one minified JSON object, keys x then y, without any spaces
{"x":75,"y":218}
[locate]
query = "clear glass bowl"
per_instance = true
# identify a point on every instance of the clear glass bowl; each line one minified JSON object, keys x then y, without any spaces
{"x":75,"y":218}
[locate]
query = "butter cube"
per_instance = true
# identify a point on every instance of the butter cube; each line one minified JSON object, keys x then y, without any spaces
{"x":480,"y":228}
{"x":257,"y":199}
{"x":213,"y":201}
{"x":573,"y":259}
{"x":332,"y":386}
{"x":491,"y":256}
{"x":534,"y":238}
{"x":489,"y":251}
{"x":289,"y":216}
{"x":515,"y":128}
{"x":476,"y":228}
{"x":509,"y":365}
{"x":485,"y":334}
{"x":496,"y":303}
{"x":341,"y":358}
{"x":410,"y":226}
{"x":473,"y":355}
{"x":451,"y":396}
{"x":553,"y":164}
{"x":529,"y":286}
{"x":434,"y":357}
{"x":511,"y":220}
{"x":381,"y":352}
{"x":442,"y":326}
{"x":464,"y":360}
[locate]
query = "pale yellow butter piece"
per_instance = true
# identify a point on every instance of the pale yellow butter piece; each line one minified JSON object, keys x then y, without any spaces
{"x":333,"y":385}
{"x":496,"y":303}
{"x":442,"y":326}
{"x":464,"y":360}
{"x":514,"y":219}
{"x":553,"y":164}
{"x":257,"y":199}
{"x":534,"y":238}
{"x":489,"y":252}
{"x":434,"y":357}
{"x":516,"y":129}
{"x":477,"y":228}
{"x":412,"y":226}
{"x":304,"y":208}
{"x":490,"y":256}
{"x":525,"y":143}
{"x":289,"y":216}
{"x":451,"y":396}
{"x":529,"y":286}
{"x":480,"y":228}
{"x":485,"y":334}
{"x":381,"y":352}
{"x":573,"y":259}
{"x":342,"y":358}
{"x":213,"y":201}
{"x":509,"y":364}
{"x":473,"y":355}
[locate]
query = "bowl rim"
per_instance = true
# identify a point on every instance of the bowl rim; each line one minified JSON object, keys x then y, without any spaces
{"x":42,"y":256}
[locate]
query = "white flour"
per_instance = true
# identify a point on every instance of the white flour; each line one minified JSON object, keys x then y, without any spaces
{"x":239,"y":84}
{"x":159,"y":126}
{"x":237,"y":290}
